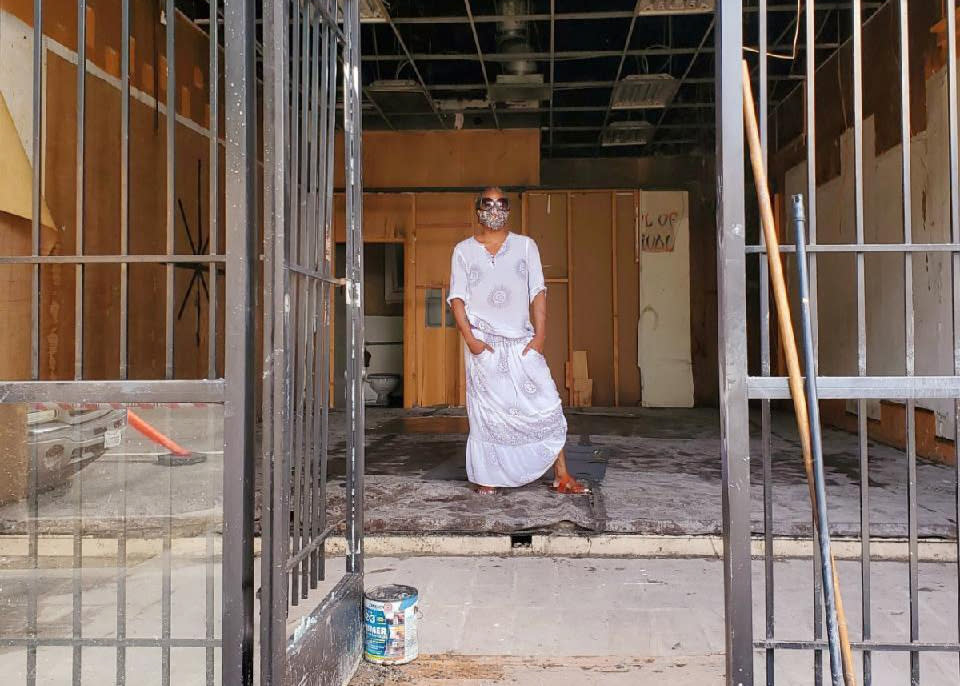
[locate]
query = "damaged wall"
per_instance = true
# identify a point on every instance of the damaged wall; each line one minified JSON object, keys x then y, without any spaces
{"x":883,"y":219}
{"x":696,"y":175}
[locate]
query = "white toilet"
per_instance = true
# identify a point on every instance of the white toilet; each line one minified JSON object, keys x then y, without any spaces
{"x":383,"y":385}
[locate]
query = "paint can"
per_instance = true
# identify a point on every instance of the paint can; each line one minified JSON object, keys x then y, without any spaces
{"x":390,"y":624}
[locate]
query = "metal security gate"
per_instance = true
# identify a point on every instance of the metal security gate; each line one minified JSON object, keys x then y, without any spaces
{"x":113,"y":508}
{"x":303,"y":46}
{"x":750,"y":647}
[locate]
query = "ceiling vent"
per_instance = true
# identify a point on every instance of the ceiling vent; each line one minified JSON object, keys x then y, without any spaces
{"x":627,"y":133}
{"x":519,"y":90}
{"x":644,"y":91}
{"x":675,"y":6}
{"x":402,"y":95}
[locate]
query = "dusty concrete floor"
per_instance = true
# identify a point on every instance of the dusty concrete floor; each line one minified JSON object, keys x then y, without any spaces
{"x":567,"y":622}
{"x":653,"y":472}
{"x":659,"y":474}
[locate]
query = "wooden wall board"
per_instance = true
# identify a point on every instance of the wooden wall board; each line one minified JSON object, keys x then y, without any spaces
{"x":446,"y":159}
{"x":102,"y":233}
{"x":387,"y":217}
{"x":592,"y":313}
{"x":627,"y":278}
{"x":148,"y":46}
{"x":546,"y":223}
{"x":556,"y":349}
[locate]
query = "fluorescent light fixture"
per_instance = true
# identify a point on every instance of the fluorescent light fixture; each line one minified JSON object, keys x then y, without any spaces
{"x":644,"y":91}
{"x":627,"y":133}
{"x":675,"y":6}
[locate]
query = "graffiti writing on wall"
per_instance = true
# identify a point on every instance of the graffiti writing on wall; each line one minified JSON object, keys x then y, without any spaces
{"x":658,"y":230}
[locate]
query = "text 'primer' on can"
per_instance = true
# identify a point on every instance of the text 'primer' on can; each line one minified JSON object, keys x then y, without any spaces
{"x":390,"y":625}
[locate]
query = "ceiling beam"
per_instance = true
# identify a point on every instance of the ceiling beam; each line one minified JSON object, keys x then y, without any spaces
{"x":483,"y":63}
{"x":686,"y":73}
{"x":563,"y":55}
{"x":623,"y":59}
{"x":413,"y":65}
{"x":602,"y":15}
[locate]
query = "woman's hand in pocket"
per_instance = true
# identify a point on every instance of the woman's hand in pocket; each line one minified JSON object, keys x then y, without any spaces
{"x":477,"y":346}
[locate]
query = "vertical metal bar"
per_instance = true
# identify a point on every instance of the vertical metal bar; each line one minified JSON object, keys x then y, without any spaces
{"x":37,"y":215}
{"x":905,"y":129}
{"x":865,"y":603}
{"x":313,"y":222}
{"x":765,"y":429}
{"x":239,"y":416}
{"x":80,"y":184}
{"x":33,"y":553}
{"x":124,"y":183}
{"x":295,"y":280}
{"x":213,"y":228}
{"x":125,"y":21}
{"x":273,"y":78}
{"x":811,"y":143}
{"x":213,"y":86}
{"x":952,"y":95}
{"x":171,"y":124}
{"x":355,"y":409}
{"x":330,"y":96}
{"x":282,"y":216}
{"x":171,"y":57}
{"x":811,"y":109}
{"x":303,"y":286}
{"x":732,"y":300}
{"x":813,"y":409}
{"x":78,"y":331}
{"x":33,"y":512}
{"x":78,"y":579}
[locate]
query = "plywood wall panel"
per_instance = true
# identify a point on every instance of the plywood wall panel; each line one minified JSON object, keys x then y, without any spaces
{"x":547,"y":224}
{"x":556,"y":349}
{"x":446,"y":159}
{"x":628,"y":278}
{"x":592,"y":288}
{"x":102,"y":233}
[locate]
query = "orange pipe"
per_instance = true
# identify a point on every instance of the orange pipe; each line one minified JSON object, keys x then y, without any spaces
{"x":137,"y":423}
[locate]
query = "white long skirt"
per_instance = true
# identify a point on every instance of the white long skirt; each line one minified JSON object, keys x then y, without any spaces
{"x":517,"y":427}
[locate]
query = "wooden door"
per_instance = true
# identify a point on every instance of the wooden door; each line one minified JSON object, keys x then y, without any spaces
{"x":442,"y":220}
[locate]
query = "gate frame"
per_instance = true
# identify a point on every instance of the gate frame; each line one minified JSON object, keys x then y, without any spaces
{"x":299,"y":134}
{"x":737,"y":387}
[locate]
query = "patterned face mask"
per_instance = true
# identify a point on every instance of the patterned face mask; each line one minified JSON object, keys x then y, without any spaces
{"x":494,"y":218}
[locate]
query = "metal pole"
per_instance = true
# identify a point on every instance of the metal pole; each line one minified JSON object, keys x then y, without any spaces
{"x":239,"y":417}
{"x":813,"y":409}
{"x":354,"y":286}
{"x":732,"y":301}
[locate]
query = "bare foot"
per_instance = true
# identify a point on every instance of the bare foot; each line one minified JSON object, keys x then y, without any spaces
{"x":567,"y":485}
{"x":485,"y":490}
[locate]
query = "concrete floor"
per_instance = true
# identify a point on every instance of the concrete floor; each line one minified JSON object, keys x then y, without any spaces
{"x":489,"y":621}
{"x":661,"y":475}
{"x":654,"y":472}
{"x":499,"y":620}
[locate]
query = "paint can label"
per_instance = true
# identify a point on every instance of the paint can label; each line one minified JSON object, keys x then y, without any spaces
{"x":390,"y":630}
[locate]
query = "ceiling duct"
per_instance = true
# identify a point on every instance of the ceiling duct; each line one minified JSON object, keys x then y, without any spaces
{"x":519,"y":85}
{"x":400,"y":95}
{"x":675,"y":6}
{"x":627,"y":133}
{"x":644,"y":91}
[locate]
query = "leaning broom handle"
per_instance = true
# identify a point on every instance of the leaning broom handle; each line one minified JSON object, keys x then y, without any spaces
{"x":788,"y":339}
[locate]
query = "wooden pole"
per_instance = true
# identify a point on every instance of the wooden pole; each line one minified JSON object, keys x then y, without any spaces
{"x":788,"y":339}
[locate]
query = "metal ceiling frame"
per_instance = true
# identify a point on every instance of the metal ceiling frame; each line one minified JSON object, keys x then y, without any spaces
{"x":483,"y":64}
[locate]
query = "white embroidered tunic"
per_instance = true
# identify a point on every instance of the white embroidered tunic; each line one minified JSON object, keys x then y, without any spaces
{"x":517,"y":426}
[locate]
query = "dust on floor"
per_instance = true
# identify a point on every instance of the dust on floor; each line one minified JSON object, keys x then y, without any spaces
{"x":448,"y":670}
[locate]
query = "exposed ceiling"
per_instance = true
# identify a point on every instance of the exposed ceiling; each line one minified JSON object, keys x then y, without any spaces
{"x":571,"y":68}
